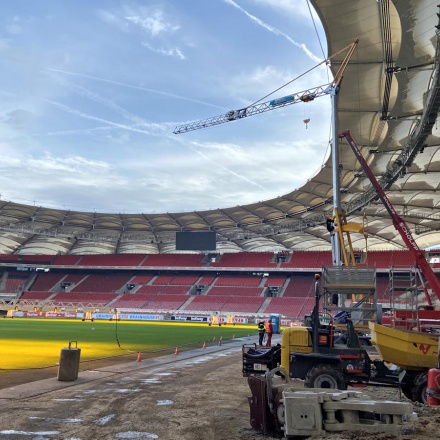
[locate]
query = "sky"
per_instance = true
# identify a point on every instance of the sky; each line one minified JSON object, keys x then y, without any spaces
{"x":91,"y":92}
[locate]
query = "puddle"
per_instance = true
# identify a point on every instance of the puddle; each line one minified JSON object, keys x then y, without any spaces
{"x":165,"y":402}
{"x":134,"y":434}
{"x":104,"y":420}
{"x":111,"y":390}
{"x":36,"y":433}
{"x":52,"y":420}
{"x":68,"y":400}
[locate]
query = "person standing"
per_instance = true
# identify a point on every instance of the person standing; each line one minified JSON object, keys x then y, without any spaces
{"x":261,"y":332}
{"x":269,"y":332}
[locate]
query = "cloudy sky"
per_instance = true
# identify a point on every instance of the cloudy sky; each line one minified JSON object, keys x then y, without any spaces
{"x":92,"y":90}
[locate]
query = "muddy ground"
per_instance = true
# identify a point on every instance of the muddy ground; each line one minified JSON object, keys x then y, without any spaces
{"x":203,"y":397}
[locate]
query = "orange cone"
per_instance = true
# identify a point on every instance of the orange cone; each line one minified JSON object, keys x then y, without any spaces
{"x":177,"y":350}
{"x":139,"y":357}
{"x":220,"y":340}
{"x":204,"y":345}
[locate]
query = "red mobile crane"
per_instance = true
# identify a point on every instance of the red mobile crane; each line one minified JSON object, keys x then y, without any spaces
{"x":398,"y":222}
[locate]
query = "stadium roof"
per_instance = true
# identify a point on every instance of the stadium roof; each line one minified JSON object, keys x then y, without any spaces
{"x":389,"y":100}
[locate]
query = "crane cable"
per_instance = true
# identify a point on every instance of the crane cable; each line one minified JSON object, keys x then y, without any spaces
{"x":326,"y":60}
{"x":316,"y":30}
{"x":307,"y":119}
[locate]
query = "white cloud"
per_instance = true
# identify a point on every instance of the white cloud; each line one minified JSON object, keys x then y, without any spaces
{"x":171,"y":52}
{"x":274,"y":30}
{"x":113,"y":19}
{"x":133,"y":86}
{"x":152,"y":21}
{"x":264,"y":80}
{"x":295,"y":9}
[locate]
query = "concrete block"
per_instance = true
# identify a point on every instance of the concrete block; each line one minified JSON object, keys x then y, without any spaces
{"x":367,"y":415}
{"x":302,"y":414}
{"x":372,"y":406}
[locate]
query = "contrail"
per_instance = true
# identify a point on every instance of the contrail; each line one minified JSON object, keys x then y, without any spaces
{"x":227,"y":169}
{"x":275,"y":31}
{"x":152,"y":126}
{"x":70,"y":132}
{"x":107,"y":103}
{"x":131,"y":86}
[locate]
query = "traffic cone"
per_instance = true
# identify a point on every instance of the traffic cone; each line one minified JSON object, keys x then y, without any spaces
{"x":204,"y":345}
{"x":177,"y":350}
{"x":220,"y":340}
{"x":139,"y":357}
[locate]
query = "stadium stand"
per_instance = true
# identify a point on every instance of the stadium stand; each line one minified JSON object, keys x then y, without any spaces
{"x":176,"y":260}
{"x":128,"y":260}
{"x":238,"y":280}
{"x":102,"y":283}
{"x":242,"y":304}
{"x":309,"y":260}
{"x":296,"y":308}
{"x":386,"y":259}
{"x":238,"y":291}
{"x":162,"y":280}
{"x":206,"y":280}
{"x":287,"y":289}
{"x":275,"y":281}
{"x":166,"y":302}
{"x":206,"y":303}
{"x":46,"y":281}
{"x":129,"y":301}
{"x":141,"y":279}
{"x":299,"y":287}
{"x":149,"y":289}
{"x":246,"y":259}
{"x":81,"y":299}
{"x":13,"y":282}
{"x":185,"y":280}
{"x":176,"y":290}
{"x":35,"y":296}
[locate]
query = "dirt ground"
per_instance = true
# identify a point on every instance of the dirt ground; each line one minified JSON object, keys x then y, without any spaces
{"x":202,"y":397}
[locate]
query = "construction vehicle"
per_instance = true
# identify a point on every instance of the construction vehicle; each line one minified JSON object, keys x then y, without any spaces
{"x":312,"y":353}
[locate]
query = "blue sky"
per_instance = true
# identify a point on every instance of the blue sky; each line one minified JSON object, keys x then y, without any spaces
{"x":92,"y":90}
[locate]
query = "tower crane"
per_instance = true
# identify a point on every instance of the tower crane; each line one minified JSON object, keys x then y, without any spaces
{"x":262,"y":107}
{"x":255,"y":109}
{"x":331,"y":89}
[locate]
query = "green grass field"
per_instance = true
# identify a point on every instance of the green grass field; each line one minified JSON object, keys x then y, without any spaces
{"x":37,"y":343}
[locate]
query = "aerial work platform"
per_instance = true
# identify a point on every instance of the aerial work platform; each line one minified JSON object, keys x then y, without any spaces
{"x":352,"y":290}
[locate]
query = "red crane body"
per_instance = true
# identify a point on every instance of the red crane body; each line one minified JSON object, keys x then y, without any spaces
{"x":398,"y":222}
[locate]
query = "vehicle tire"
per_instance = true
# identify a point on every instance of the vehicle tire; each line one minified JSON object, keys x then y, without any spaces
{"x":406,"y":389}
{"x":325,"y":376}
{"x":419,"y":388}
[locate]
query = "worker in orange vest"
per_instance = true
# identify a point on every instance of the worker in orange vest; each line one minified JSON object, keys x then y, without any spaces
{"x":269,"y":331}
